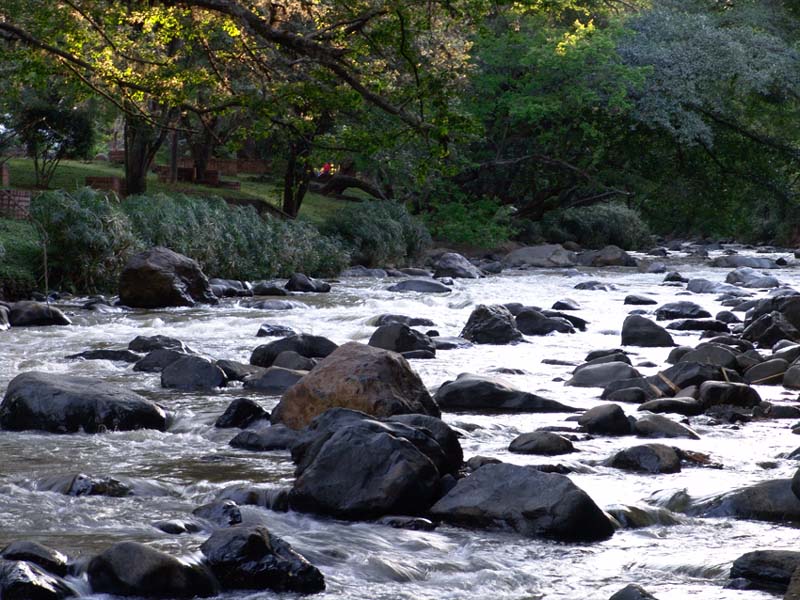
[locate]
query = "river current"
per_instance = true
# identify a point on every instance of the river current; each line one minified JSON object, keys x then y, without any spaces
{"x":192,"y":462}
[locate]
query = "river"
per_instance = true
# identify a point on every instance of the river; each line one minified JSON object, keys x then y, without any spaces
{"x":192,"y":461}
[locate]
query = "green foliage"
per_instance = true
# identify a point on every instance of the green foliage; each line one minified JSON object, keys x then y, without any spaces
{"x":88,"y":238}
{"x":379,"y":233}
{"x":483,"y":223}
{"x":597,"y":226}
{"x":21,"y":263}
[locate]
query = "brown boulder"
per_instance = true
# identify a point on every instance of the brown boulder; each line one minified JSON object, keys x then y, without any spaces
{"x":378,"y":382}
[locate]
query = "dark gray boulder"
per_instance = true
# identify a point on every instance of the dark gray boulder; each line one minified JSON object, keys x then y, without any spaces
{"x":647,"y":458}
{"x":767,"y":501}
{"x":398,"y":337}
{"x":66,"y":404}
{"x":21,"y":580}
{"x":133,"y":569}
{"x":769,"y":329}
{"x":274,"y":380}
{"x":766,"y":569}
{"x":35,"y":314}
{"x":637,"y":300}
{"x":144,"y":344}
{"x":658,"y":426}
{"x":425,"y":286}
{"x":683,"y":406}
{"x":236,"y":371}
{"x":388,"y":319}
{"x":640,"y":331}
{"x":491,"y":325}
{"x":524,"y":499}
{"x":566,"y":304}
{"x":262,"y":439}
{"x":252,"y":558}
{"x":545,"y":443}
{"x":192,"y":373}
{"x":310,"y":346}
{"x":50,"y":560}
{"x":769,"y":372}
{"x":714,"y":393}
{"x":289,"y":359}
{"x":220,"y":513}
{"x":159,"y":277}
{"x":601,"y":374}
{"x":533,"y":322}
{"x":606,"y":419}
{"x":444,"y":435}
{"x":491,"y":394}
{"x":681,"y":310}
{"x":610,"y":256}
{"x":451,"y":264}
{"x":270,"y":330}
{"x":712,"y":354}
{"x":112,"y":355}
{"x":633,"y":592}
{"x":698,"y":325}
{"x":302,"y":283}
{"x":241,"y":413}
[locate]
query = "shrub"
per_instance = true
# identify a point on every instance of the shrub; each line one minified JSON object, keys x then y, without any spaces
{"x":20,"y":263}
{"x":484,"y":223}
{"x":597,"y":226}
{"x":379,"y":233}
{"x":88,"y":238}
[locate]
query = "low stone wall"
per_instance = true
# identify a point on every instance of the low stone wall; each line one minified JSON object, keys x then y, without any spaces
{"x":15,"y":204}
{"x":111,"y":184}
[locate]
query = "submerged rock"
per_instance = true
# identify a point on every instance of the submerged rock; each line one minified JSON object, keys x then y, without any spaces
{"x":647,"y":458}
{"x":310,"y":346}
{"x":492,"y":394}
{"x":192,"y":373}
{"x":639,"y":331}
{"x":21,"y":580}
{"x":35,"y":314}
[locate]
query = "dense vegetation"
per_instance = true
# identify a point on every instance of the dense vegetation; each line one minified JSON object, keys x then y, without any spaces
{"x":490,"y":120}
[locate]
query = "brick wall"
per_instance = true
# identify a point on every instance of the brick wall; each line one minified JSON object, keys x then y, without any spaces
{"x":5,"y":180}
{"x":15,"y":204}
{"x":112,"y":184}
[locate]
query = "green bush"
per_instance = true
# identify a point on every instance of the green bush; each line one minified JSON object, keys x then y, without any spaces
{"x":379,"y":233}
{"x":597,"y":226}
{"x":88,"y":238}
{"x":20,"y":264}
{"x":483,"y":223}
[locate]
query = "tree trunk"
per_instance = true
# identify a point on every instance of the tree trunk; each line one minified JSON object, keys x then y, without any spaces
{"x":202,"y":148}
{"x":297,"y":177}
{"x":142,"y":141}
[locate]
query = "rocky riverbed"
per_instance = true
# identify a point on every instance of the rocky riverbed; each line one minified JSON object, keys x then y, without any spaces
{"x":660,"y":480}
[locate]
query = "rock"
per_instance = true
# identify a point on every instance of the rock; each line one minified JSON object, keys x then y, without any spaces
{"x":766,"y":569}
{"x":158,"y":360}
{"x":65,"y":404}
{"x":615,"y":356}
{"x":531,"y":502}
{"x":273,"y":497}
{"x":728,"y":317}
{"x":574,"y":320}
{"x":647,"y":458}
{"x":425,"y":286}
{"x":451,"y":264}
{"x":631,"y":395}
{"x":657,"y":426}
{"x":302,"y":283}
{"x":21,"y":580}
{"x":133,"y":569}
{"x":675,"y":277}
{"x":236,"y":371}
{"x":401,"y":338}
{"x":270,"y":330}
{"x":704,"y":286}
{"x":269,"y":288}
{"x":223,"y":513}
{"x":633,"y":592}
{"x":600,"y":375}
{"x":35,"y":314}
{"x":683,"y":406}
{"x":444,"y":435}
{"x":276,"y":437}
{"x":449,"y":343}
{"x":712,"y":354}
{"x":636,"y":300}
{"x":491,"y":325}
{"x":310,"y":346}
{"x":595,"y":286}
{"x":750,"y":278}
{"x":767,"y":501}
{"x":290,"y":359}
{"x":388,"y":319}
{"x":698,"y":325}
{"x":415,"y":272}
{"x":112,"y":355}
{"x":159,"y":277}
{"x":362,"y":271}
{"x":412,"y":523}
{"x":230,"y":288}
{"x":363,"y":471}
{"x":566,"y":304}
{"x":4,"y":320}
{"x":177,"y":526}
{"x":80,"y":484}
{"x":274,"y":380}
{"x":684,"y":374}
{"x":241,"y":413}
{"x":791,"y":378}
{"x":374,"y":381}
{"x":681,"y":310}
{"x":48,"y":559}
{"x":192,"y":373}
{"x":490,"y":394}
{"x":145,"y":344}
{"x":546,"y":255}
{"x":770,"y":328}
{"x":273,"y":305}
{"x":532,"y":322}
{"x":610,"y":256}
{"x":737,"y":261}
{"x":541,"y":442}
{"x":639,"y":331}
{"x":247,"y":557}
{"x":606,"y":419}
{"x":769,"y":372}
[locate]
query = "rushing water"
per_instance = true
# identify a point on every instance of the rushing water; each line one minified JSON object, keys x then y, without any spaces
{"x":192,"y":461}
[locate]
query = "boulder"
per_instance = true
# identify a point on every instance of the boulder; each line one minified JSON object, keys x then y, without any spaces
{"x":647,"y":458}
{"x":230,"y":288}
{"x":683,"y":406}
{"x":766,"y":569}
{"x":274,"y":380}
{"x":388,"y":319}
{"x":112,"y":355}
{"x":236,"y":371}
{"x":595,"y":286}
{"x":310,"y":346}
{"x":362,"y":271}
{"x":35,"y":314}
{"x":769,"y":329}
{"x":606,"y":419}
{"x":704,"y":286}
{"x":533,"y":322}
{"x":657,"y":426}
{"x":246,"y":557}
{"x":600,"y":375}
{"x":371,"y":380}
{"x":270,"y":330}
{"x":712,"y":354}
{"x":158,"y":360}
{"x":262,"y":439}
{"x":133,"y":569}
{"x":750,"y":278}
{"x":531,"y":502}
{"x":769,"y":372}
{"x":363,"y":471}
{"x":475,"y":393}
{"x":451,"y":264}
{"x":681,"y":310}
{"x":736,"y":261}
{"x":220,"y":513}
{"x":424,"y":286}
{"x":65,"y":404}
{"x":145,"y":344}
{"x":21,"y":580}
{"x":401,"y":338}
{"x":491,"y":325}
{"x":566,"y":304}
{"x":80,"y":484}
{"x":684,"y":374}
{"x":159,"y":277}
{"x":541,"y":442}
{"x":637,"y":300}
{"x":545,"y":255}
{"x":289,"y":359}
{"x":444,"y":435}
{"x":633,"y":592}
{"x":639,"y":331}
{"x":241,"y":413}
{"x":767,"y":501}
{"x":302,"y":283}
{"x":791,"y":378}
{"x":610,"y":256}
{"x":449,"y":343}
{"x":48,"y":559}
{"x":698,"y":325}
{"x":5,"y":323}
{"x":192,"y":373}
